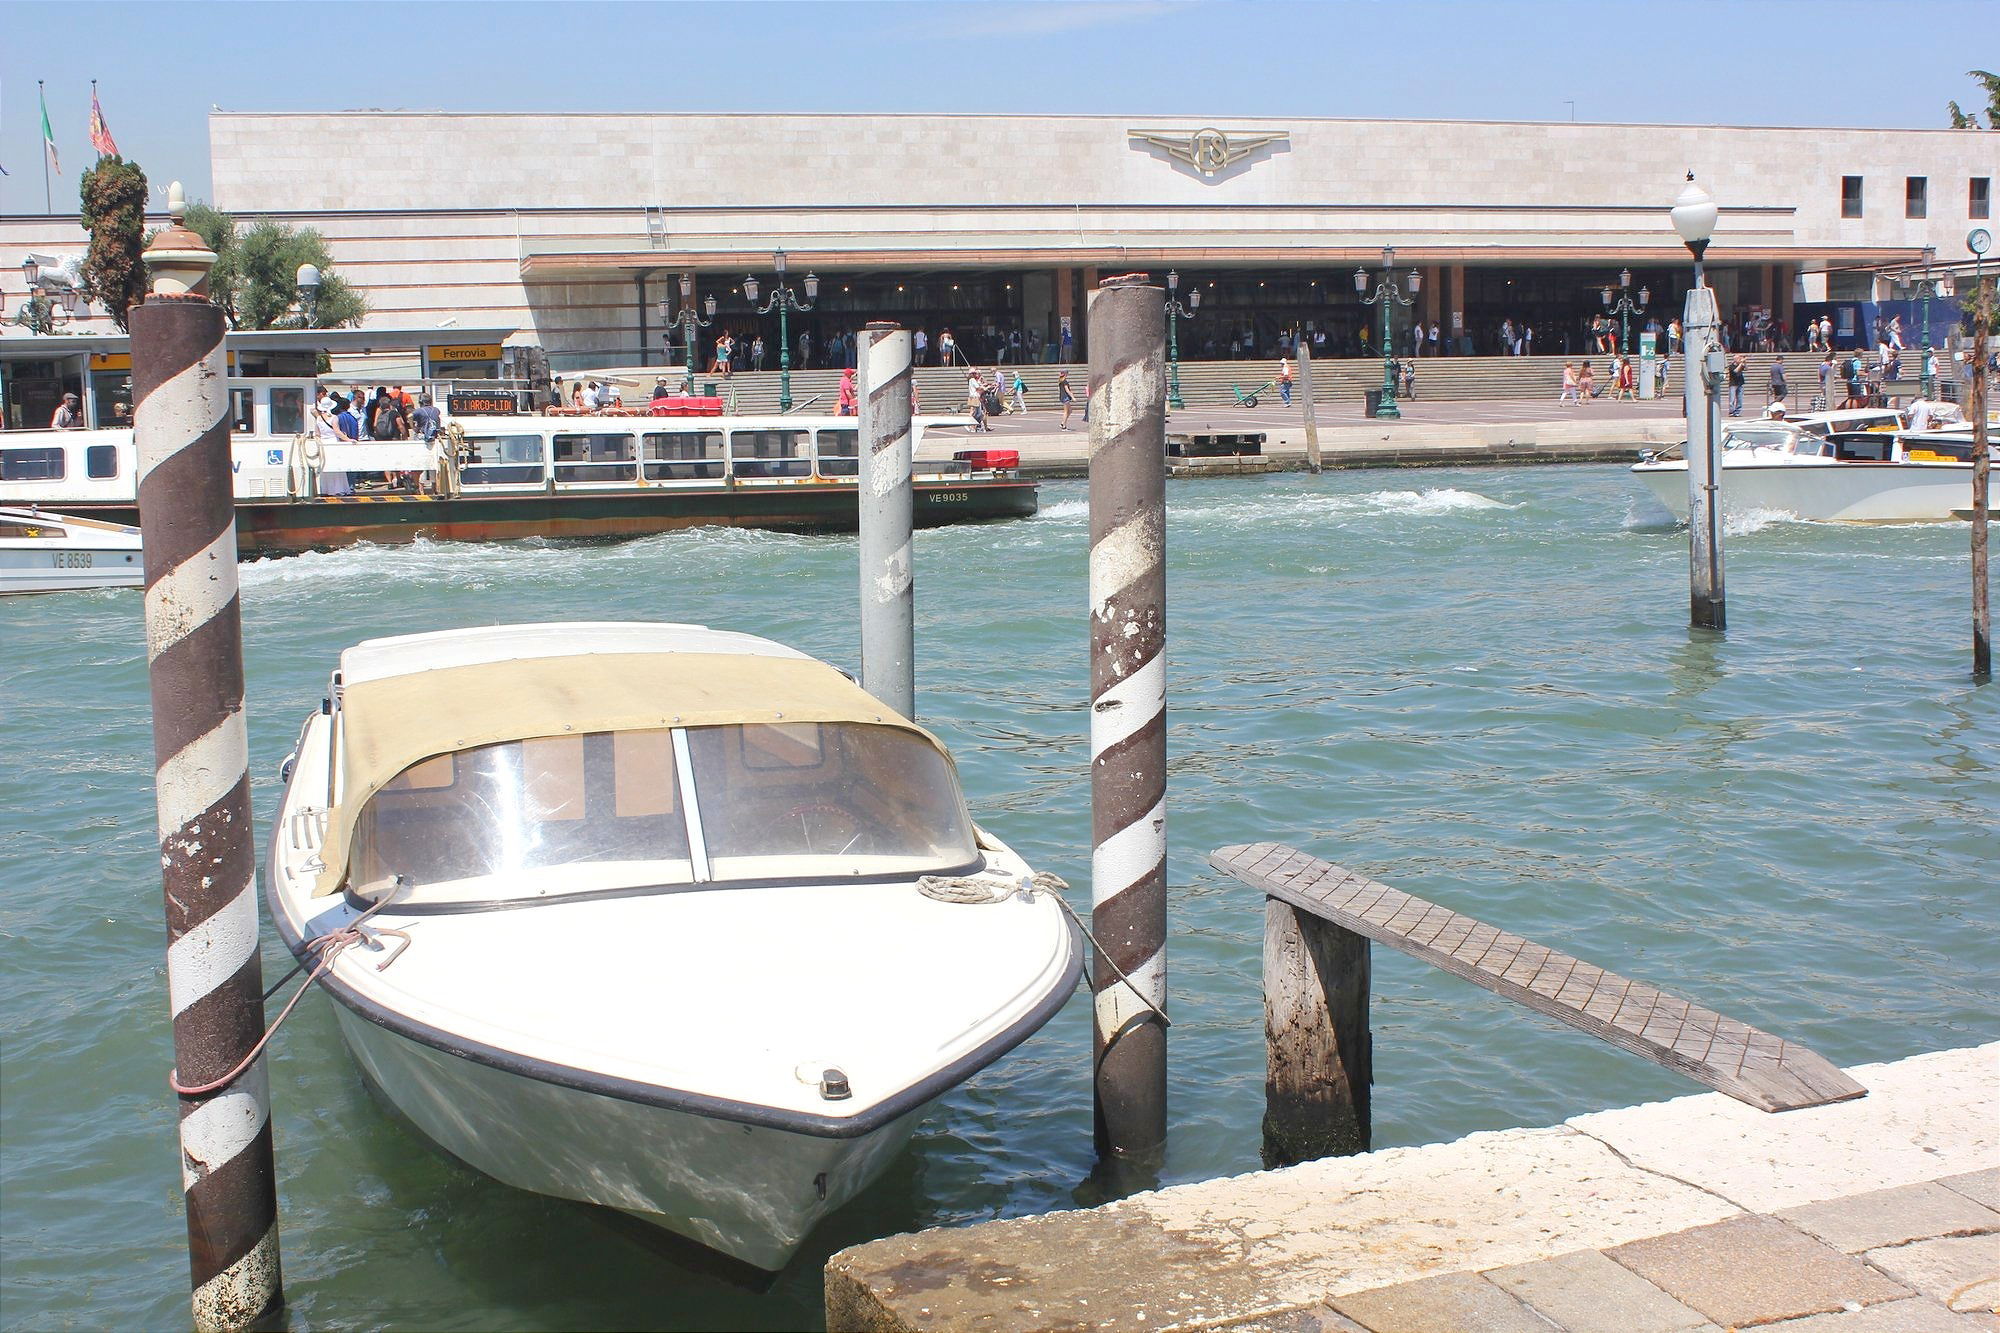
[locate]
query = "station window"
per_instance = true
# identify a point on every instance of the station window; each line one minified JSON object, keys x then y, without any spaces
{"x":1979,"y":198}
{"x":1850,"y":196}
{"x":1916,"y":197}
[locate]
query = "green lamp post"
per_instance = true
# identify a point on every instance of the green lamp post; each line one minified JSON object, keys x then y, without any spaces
{"x":1624,"y":309}
{"x":689,"y":322}
{"x":783,"y":301}
{"x":1387,"y":294}
{"x":1175,"y":313}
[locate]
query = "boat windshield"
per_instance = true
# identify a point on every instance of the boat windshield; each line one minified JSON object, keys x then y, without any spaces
{"x":560,"y":815}
{"x":788,"y":800}
{"x":1752,"y":437}
{"x":499,"y":821}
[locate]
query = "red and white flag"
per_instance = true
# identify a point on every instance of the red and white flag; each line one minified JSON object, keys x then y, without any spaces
{"x":100,"y":133}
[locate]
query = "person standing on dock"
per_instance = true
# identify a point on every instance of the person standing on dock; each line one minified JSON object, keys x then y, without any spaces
{"x":1778,"y":385}
{"x":1739,"y":365}
{"x":1066,"y":396}
{"x":757,"y":352}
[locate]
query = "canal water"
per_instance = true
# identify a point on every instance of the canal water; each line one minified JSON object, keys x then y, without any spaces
{"x":1476,"y":685}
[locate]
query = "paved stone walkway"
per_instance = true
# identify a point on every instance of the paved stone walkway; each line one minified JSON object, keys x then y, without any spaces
{"x":1876,"y":1215}
{"x":1912,"y":1259}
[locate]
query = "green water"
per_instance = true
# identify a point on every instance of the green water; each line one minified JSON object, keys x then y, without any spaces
{"x":1476,"y":685}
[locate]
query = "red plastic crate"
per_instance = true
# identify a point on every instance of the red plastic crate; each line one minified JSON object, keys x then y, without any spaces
{"x":999,"y":460}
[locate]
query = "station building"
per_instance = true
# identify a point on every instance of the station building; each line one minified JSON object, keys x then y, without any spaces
{"x":572,"y":229}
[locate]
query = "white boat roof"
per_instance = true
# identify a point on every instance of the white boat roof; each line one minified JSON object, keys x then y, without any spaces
{"x":407,"y":654}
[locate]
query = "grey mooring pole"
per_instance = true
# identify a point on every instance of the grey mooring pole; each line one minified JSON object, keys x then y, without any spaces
{"x":1702,"y":366}
{"x":1982,"y":469}
{"x":194,"y":650}
{"x":1128,"y":727}
{"x":888,"y":623}
{"x":1312,"y":417}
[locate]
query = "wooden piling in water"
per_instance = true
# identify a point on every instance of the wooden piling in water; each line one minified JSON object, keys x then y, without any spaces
{"x":1983,"y":314}
{"x":208,"y":859}
{"x":1128,"y":725}
{"x":888,"y":616}
{"x":1312,"y":416}
{"x":1319,"y":1055}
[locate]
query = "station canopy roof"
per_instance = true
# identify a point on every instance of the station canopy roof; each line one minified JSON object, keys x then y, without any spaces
{"x":25,"y":346}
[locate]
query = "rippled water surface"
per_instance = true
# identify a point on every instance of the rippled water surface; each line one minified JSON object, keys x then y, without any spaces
{"x":1475,"y":685}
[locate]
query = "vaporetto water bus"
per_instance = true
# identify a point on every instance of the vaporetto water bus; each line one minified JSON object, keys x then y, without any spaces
{"x":489,"y":478}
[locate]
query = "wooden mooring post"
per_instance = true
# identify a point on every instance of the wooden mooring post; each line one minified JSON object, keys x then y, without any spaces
{"x":1312,"y":414}
{"x":1316,"y":980}
{"x":1318,"y":922}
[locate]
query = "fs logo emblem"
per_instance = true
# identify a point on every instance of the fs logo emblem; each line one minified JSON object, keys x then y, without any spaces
{"x":1209,"y":150}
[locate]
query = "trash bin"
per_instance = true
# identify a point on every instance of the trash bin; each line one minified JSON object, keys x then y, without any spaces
{"x":1374,"y":400}
{"x":709,"y":389}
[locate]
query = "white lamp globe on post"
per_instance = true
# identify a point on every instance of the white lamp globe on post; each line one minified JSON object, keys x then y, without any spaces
{"x":308,"y":279}
{"x":1694,"y":215}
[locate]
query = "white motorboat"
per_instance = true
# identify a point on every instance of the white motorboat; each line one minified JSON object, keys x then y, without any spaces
{"x":669,"y":919}
{"x":1848,"y":467}
{"x":44,"y":552}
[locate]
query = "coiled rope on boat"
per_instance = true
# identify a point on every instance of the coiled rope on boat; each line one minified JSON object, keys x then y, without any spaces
{"x":981,"y":890}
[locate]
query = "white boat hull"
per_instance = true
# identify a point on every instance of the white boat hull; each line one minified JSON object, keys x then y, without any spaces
{"x":66,"y":554}
{"x":746,"y":1190}
{"x":1831,"y":492}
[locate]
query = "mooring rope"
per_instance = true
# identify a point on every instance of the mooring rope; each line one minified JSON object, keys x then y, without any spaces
{"x":325,"y":949}
{"x":979,"y":890}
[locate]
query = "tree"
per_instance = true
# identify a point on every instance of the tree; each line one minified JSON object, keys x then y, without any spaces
{"x":268,"y":258}
{"x":255,"y":279}
{"x":1991,"y":82}
{"x":113,"y":195}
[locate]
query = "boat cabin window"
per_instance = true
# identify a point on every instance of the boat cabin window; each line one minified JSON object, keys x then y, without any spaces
{"x":1753,"y":438}
{"x":594,"y":457}
{"x":1863,"y":446}
{"x":502,"y":460}
{"x":1812,"y":446}
{"x":500,"y":821}
{"x":31,"y":464}
{"x":1936,"y":449}
{"x":34,"y":532}
{"x":769,"y":453}
{"x":242,"y":412}
{"x":684,"y":455}
{"x":792,"y":800}
{"x":288,"y":410}
{"x":839,"y":453}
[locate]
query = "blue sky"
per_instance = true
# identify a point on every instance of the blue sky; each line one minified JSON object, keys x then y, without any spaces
{"x":161,"y":65}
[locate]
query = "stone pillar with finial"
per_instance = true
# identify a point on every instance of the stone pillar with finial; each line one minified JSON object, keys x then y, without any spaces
{"x":194,"y":653}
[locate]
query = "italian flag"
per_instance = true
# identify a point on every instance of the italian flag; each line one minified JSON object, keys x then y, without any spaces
{"x":49,"y":138}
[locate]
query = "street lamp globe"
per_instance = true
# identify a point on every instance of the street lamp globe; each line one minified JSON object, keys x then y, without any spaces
{"x":1173,"y":280}
{"x":31,"y":272}
{"x":308,"y":278}
{"x":1360,"y":280}
{"x":1694,"y":215}
{"x":1416,"y":281}
{"x":708,"y":305}
{"x":812,"y":287}
{"x":687,"y":288}
{"x":1194,"y":299}
{"x":1645,"y":296}
{"x":750,"y":289}
{"x":1388,"y":256}
{"x":71,"y":299}
{"x":665,"y":308}
{"x":1606,"y":294}
{"x":1624,"y":277}
{"x":778,"y":262}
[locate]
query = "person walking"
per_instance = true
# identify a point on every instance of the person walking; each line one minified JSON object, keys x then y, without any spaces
{"x":1738,"y":364}
{"x":1020,"y":395}
{"x":1778,"y":385}
{"x":1586,"y":384}
{"x":1569,"y":386}
{"x":848,"y":396}
{"x":1064,"y":396}
{"x":757,"y":352}
{"x":975,"y":399}
{"x":1285,"y":380}
{"x":947,"y":346}
{"x":919,"y":345}
{"x":1825,"y":376}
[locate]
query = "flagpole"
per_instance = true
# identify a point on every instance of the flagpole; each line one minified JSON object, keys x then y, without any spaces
{"x":48,"y":200}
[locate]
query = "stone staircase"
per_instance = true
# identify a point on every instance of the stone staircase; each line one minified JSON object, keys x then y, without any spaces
{"x":1209,"y":384}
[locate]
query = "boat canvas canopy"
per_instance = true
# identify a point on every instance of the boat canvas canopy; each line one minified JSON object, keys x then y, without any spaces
{"x":388,"y":724}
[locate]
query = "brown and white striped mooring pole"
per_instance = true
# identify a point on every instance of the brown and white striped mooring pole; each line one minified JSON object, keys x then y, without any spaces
{"x":1128,"y":706}
{"x":888,"y":625}
{"x":194,"y":648}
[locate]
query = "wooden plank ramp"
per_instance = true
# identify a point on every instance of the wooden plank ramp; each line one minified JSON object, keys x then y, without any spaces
{"x":1734,"y":1058}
